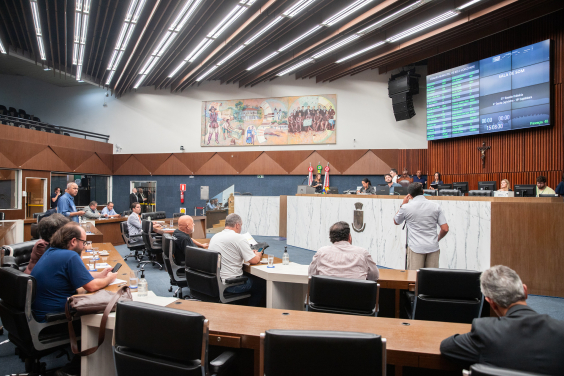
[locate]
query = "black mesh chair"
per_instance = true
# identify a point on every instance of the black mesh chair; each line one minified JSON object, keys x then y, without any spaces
{"x":203,"y":269}
{"x":33,"y":340}
{"x":17,"y":256}
{"x":178,"y":344}
{"x":342,"y":295}
{"x":134,"y":243}
{"x":485,"y":370}
{"x":309,"y":352}
{"x":176,"y":272}
{"x":448,"y":295}
{"x":153,"y":244}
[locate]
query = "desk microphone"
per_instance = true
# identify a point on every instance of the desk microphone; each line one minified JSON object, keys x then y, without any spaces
{"x":303,"y":181}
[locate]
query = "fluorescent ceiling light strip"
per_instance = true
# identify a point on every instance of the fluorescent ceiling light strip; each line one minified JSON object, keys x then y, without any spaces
{"x":138,"y":11}
{"x":81,"y":54}
{"x":180,"y":14}
{"x":201,"y":47}
{"x":423,"y":26}
{"x":336,"y":46}
{"x":285,"y":47}
{"x":390,"y":18}
{"x":297,"y":8}
{"x":78,"y":5}
{"x":177,"y":69}
{"x":109,"y":79}
{"x":294,"y":67}
{"x":128,"y":36}
{"x":361,"y":51}
{"x":86,"y":8}
{"x":225,"y":26}
{"x":264,"y":29}
{"x":155,"y":61}
{"x":37,"y":24}
{"x":167,"y":44}
{"x":2,"y":49}
{"x":346,"y":12}
{"x":207,"y":73}
{"x":130,"y":10}
{"x":147,"y":64}
{"x":120,"y":55}
{"x":467,"y":4}
{"x":41,"y":48}
{"x":77,"y":20}
{"x":84,"y":29}
{"x":139,"y":81}
{"x":187,"y":15}
{"x":231,"y":55}
{"x":225,"y":20}
{"x":262,"y":61}
{"x":78,"y":72}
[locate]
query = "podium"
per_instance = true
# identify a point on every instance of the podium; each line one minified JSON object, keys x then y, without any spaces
{"x":305,"y":190}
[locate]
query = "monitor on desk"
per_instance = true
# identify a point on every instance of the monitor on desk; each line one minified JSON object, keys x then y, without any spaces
{"x":504,"y":194}
{"x":333,"y":191}
{"x":382,"y":189}
{"x":305,"y":190}
{"x":487,"y":185}
{"x":461,"y":186}
{"x":525,"y":190}
{"x":444,"y":186}
{"x":401,"y":191}
{"x":548,"y":195}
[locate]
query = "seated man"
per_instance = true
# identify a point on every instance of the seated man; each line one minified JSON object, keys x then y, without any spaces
{"x":210,"y":205}
{"x":91,"y":212}
{"x":342,"y":259}
{"x":390,"y":183}
{"x":46,"y":228}
{"x":134,"y":221}
{"x":183,"y":237}
{"x":367,"y":187}
{"x":543,"y":188}
{"x":236,"y":250}
{"x":519,"y":339}
{"x":109,"y":211}
{"x":61,"y":271}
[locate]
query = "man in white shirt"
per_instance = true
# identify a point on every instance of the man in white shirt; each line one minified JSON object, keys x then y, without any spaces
{"x":134,"y":221}
{"x":235,"y":251}
{"x":422,"y":217}
{"x":109,"y":212}
{"x":394,"y":175}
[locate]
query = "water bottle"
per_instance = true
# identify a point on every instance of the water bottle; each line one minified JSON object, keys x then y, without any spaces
{"x":143,"y":286}
{"x":286,"y":257}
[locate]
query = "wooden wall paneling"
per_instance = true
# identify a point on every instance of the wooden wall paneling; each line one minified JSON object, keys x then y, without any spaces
{"x":152,"y":161}
{"x":72,"y":157}
{"x":315,"y":159}
{"x":172,"y":166}
{"x":368,"y":164}
{"x":194,"y":161}
{"x":264,"y":165}
{"x":118,"y":160}
{"x":46,"y":160}
{"x":6,"y":163}
{"x":289,"y":160}
{"x":342,"y":159}
{"x":388,"y":156}
{"x":413,"y":160}
{"x":216,"y":166}
{"x":240,"y":160}
{"x":93,"y":165}
{"x":132,"y":166}
{"x":19,"y":152}
{"x":108,"y":160}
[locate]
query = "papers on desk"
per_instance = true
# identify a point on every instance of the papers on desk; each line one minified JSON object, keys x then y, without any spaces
{"x":87,"y":257}
{"x":250,"y":238}
{"x":102,"y":265}
{"x":89,"y":233}
{"x":117,"y":282}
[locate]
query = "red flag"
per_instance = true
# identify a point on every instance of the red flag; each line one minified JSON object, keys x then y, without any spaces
{"x":326,"y":181}
{"x":310,"y":178}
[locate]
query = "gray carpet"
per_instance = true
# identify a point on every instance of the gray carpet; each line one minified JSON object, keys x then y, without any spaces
{"x":159,"y":283}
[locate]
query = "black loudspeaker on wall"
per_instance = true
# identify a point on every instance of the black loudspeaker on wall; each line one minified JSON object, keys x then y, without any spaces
{"x":401,"y":88}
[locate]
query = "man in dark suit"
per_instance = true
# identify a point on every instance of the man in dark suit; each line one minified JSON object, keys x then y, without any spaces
{"x":518,"y":339}
{"x":133,"y":196}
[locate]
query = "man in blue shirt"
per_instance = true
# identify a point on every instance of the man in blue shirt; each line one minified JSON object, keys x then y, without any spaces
{"x":390,"y":183}
{"x":66,"y":205}
{"x":109,"y":211}
{"x":418,"y":178}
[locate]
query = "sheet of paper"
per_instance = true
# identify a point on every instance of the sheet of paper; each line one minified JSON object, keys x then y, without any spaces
{"x":87,"y":257}
{"x":102,"y":265}
{"x":117,"y":281}
{"x":250,"y":238}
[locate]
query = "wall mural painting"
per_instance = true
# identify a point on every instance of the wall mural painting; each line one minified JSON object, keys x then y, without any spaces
{"x":272,"y":121}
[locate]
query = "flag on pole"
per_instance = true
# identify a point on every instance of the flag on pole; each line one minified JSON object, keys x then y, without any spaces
{"x":326,"y":181}
{"x":310,"y":177}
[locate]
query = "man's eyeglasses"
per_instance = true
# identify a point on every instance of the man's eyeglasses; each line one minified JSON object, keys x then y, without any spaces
{"x":83,"y":241}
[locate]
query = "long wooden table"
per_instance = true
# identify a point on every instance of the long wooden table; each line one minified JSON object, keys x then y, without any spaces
{"x":112,"y":259}
{"x":95,"y":235}
{"x":416,"y":344}
{"x":111,"y":229}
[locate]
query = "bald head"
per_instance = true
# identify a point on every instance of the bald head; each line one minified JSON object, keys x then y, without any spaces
{"x":72,"y":189}
{"x":186,"y":224}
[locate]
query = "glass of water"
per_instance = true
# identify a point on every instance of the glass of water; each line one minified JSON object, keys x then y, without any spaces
{"x":270,"y":261}
{"x":171,"y":223}
{"x":88,"y":226}
{"x":133,"y":279}
{"x":92,"y":265}
{"x":89,"y":246}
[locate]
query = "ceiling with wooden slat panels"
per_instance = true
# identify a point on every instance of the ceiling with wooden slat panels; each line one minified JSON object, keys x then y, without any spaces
{"x":259,"y":34}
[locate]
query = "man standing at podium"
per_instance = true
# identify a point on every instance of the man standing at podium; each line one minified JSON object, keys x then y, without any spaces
{"x":422,"y":217}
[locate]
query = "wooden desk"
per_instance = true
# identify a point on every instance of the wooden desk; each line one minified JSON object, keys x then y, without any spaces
{"x":27,"y":228}
{"x":214,"y":217}
{"x":199,"y":228}
{"x":413,"y":345}
{"x":113,"y":258}
{"x":96,"y":235}
{"x":11,"y":232}
{"x":111,"y":230}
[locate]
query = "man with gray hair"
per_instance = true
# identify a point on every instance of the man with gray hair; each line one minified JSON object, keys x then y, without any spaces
{"x":518,"y":339}
{"x":66,"y":205}
{"x":91,"y":212}
{"x":235,"y":251}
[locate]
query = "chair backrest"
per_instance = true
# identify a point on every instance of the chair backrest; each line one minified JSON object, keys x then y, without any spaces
{"x":127,"y":212}
{"x":307,"y":352}
{"x":2,"y":216}
{"x":486,"y":370}
{"x":449,"y":192}
{"x":124,"y":231}
{"x":342,"y":295}
{"x":177,"y":345}
{"x":147,"y":229}
{"x":202,"y":267}
{"x":178,"y":215}
{"x":154,"y":215}
{"x":13,"y":296}
{"x":21,"y":252}
{"x":168,"y":247}
{"x":37,"y":215}
{"x":146,"y":226}
{"x":449,"y":295}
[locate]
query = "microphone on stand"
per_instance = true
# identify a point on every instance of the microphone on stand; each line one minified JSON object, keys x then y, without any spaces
{"x":303,"y":181}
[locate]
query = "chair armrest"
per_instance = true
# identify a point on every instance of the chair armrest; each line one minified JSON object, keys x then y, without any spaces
{"x":10,"y":262}
{"x":239,"y":279}
{"x":221,"y":364}
{"x":51,"y":317}
{"x":135,"y":236}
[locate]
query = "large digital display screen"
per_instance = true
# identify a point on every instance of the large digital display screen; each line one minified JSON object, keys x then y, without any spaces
{"x":501,"y":93}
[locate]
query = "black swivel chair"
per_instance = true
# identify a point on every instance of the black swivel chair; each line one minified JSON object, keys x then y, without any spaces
{"x":126,"y":213}
{"x":134,"y":243}
{"x":153,"y":244}
{"x":448,"y":295}
{"x":178,"y":344}
{"x":17,"y":256}
{"x":342,"y":295}
{"x":203,"y":269}
{"x":449,"y":192}
{"x":176,"y":272}
{"x":13,"y":112}
{"x":3,"y":110}
{"x":309,"y":352}
{"x":33,"y":340}
{"x":485,"y":370}
{"x":154,"y":215}
{"x":2,"y":216}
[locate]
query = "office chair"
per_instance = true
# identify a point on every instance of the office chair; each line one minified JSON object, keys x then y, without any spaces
{"x":203,"y":268}
{"x":481,"y":193}
{"x":3,"y":110}
{"x":2,"y":216}
{"x":153,"y":244}
{"x":178,"y":344}
{"x":32,"y":339}
{"x":449,"y":295}
{"x":449,"y":192}
{"x":36,"y":215}
{"x":175,"y":216}
{"x":342,"y":295}
{"x":134,"y":243}
{"x":154,"y":215}
{"x":485,"y":370}
{"x":13,"y":112}
{"x":176,"y":272}
{"x":17,"y":255}
{"x":431,"y":192}
{"x":308,"y":352}
{"x":126,"y":213}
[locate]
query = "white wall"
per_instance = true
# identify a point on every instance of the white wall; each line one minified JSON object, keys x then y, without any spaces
{"x":157,"y":121}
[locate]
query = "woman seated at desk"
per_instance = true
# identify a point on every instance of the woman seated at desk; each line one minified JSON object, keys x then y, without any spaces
{"x":317,"y":184}
{"x":505,"y":186}
{"x":436,"y":181}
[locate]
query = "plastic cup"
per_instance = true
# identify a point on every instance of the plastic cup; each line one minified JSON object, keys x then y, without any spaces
{"x":133,"y":279}
{"x":270,"y":261}
{"x":92,"y":264}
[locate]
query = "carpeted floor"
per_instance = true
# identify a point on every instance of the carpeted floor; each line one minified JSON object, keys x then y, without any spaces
{"x":159,"y":283}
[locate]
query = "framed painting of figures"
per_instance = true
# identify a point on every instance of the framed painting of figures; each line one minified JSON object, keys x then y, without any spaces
{"x":301,"y":120}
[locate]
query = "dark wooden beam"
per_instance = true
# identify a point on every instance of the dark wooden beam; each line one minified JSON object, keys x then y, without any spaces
{"x":29,"y":35}
{"x":50,"y":40}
